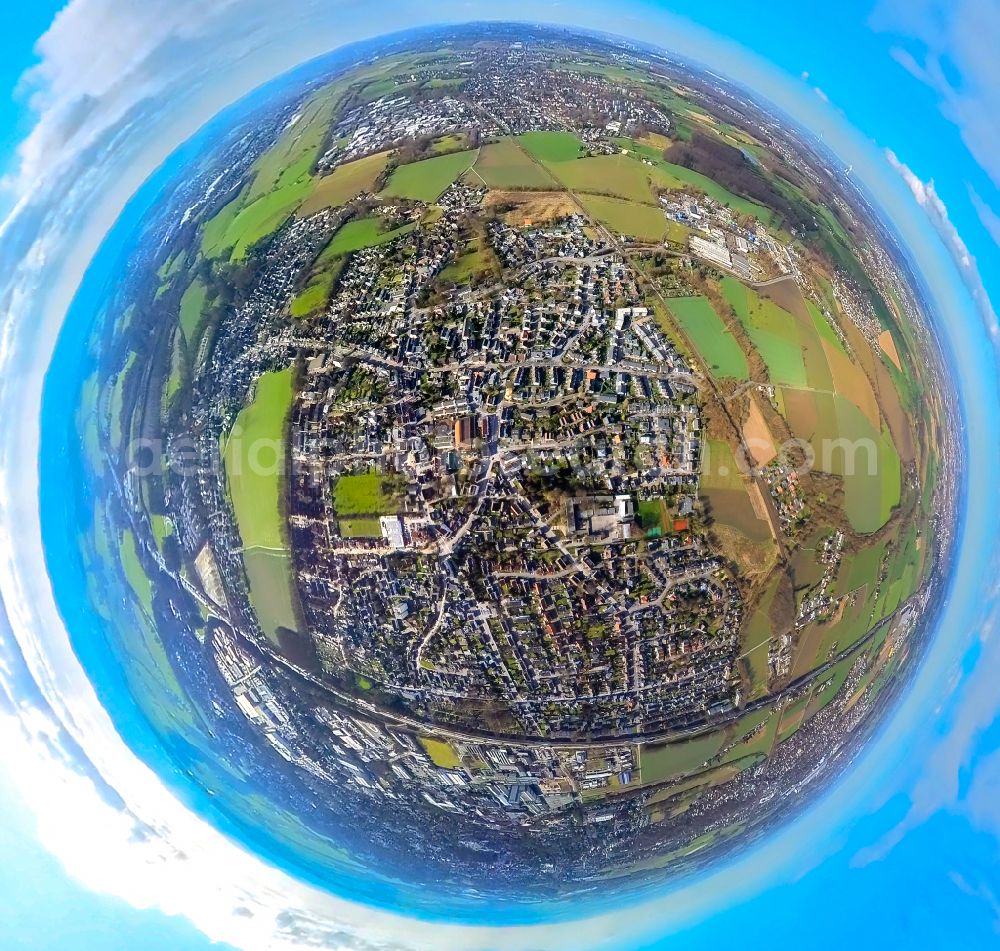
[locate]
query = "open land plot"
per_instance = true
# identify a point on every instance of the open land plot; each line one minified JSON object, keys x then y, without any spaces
{"x":135,"y":574}
{"x":823,"y":327}
{"x":271,"y":582}
{"x":619,"y":176}
{"x":631,"y":219}
{"x":644,"y":149}
{"x":344,"y":183}
{"x":733,"y":507}
{"x":192,"y":304}
{"x":531,"y":208}
{"x":849,"y":380}
{"x":316,"y":293}
{"x":452,"y":142}
{"x":719,"y":468}
{"x":660,"y":763}
{"x":367,"y":493}
{"x":254,"y":457}
{"x":361,"y":233}
{"x":773,"y":331}
{"x":793,"y":716}
{"x":426,"y":180}
{"x":505,"y":164}
{"x":552,"y":146}
{"x":757,"y":435}
{"x":887,"y":344}
{"x":756,"y":637}
{"x":716,"y":345}
{"x":477,"y":259}
{"x":895,"y":415}
{"x":442,"y":754}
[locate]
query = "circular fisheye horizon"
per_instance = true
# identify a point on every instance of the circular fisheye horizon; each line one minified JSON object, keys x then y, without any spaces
{"x":513,"y":461}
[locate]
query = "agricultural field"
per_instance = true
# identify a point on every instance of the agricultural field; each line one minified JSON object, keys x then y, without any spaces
{"x":633,"y":220}
{"x":618,"y":176}
{"x":192,"y":304}
{"x":427,"y":179}
{"x":361,"y":233}
{"x":505,"y":164}
{"x":344,"y":183}
{"x":254,"y":458}
{"x":552,"y":146}
{"x":715,"y":344}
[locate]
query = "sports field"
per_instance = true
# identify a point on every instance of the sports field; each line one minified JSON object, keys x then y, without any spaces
{"x":716,"y":345}
{"x":427,"y":179}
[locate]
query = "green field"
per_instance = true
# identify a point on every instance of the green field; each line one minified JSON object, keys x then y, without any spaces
{"x":367,"y":493}
{"x":361,"y":233}
{"x":477,"y":259}
{"x":426,"y":180}
{"x":442,"y":754}
{"x":552,"y":146}
{"x":135,"y":574}
{"x":192,"y":304}
{"x":716,"y":345}
{"x":756,"y":636}
{"x":631,"y":219}
{"x":272,"y":583}
{"x":506,"y":165}
{"x":255,"y":462}
{"x":619,"y":176}
{"x":254,"y":458}
{"x":316,"y":293}
{"x":773,"y":331}
{"x":344,"y":183}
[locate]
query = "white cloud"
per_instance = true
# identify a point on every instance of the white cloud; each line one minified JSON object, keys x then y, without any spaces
{"x":928,"y":199}
{"x":956,"y":54}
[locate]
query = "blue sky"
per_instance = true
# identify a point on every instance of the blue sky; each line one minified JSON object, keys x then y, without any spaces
{"x":912,"y":76}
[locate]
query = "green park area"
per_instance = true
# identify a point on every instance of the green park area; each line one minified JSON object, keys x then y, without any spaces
{"x":427,"y":179}
{"x":254,"y":457}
